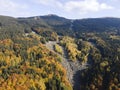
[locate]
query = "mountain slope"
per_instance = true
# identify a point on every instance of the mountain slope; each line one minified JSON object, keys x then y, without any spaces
{"x":97,"y":25}
{"x":26,"y":63}
{"x":9,"y":27}
{"x":62,"y":25}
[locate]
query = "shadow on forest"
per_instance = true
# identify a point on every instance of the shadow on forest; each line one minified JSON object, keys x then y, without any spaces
{"x":77,"y":81}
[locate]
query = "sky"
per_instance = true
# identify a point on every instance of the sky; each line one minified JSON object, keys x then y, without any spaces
{"x":72,"y":9}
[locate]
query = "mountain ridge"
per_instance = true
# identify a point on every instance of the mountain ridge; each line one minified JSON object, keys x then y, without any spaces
{"x":62,"y":26}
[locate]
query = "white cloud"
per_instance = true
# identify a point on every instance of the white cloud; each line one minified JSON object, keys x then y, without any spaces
{"x":52,"y":3}
{"x":105,"y":6}
{"x":9,"y":7}
{"x":84,"y":6}
{"x":14,"y":8}
{"x":114,"y":0}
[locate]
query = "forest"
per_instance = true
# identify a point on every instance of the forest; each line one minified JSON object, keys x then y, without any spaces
{"x":27,"y":63}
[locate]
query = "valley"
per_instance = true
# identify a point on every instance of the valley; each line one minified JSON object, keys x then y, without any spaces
{"x":70,"y":66}
{"x":54,"y":53}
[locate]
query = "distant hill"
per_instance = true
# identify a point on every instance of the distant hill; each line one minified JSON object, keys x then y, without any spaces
{"x":10,"y":27}
{"x":96,"y":24}
{"x":62,"y":25}
{"x":65,"y":26}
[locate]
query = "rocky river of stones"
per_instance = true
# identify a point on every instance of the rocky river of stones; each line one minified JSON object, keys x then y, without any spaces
{"x":73,"y":68}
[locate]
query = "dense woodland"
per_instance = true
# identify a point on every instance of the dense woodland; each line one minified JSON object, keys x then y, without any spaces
{"x":25,"y":62}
